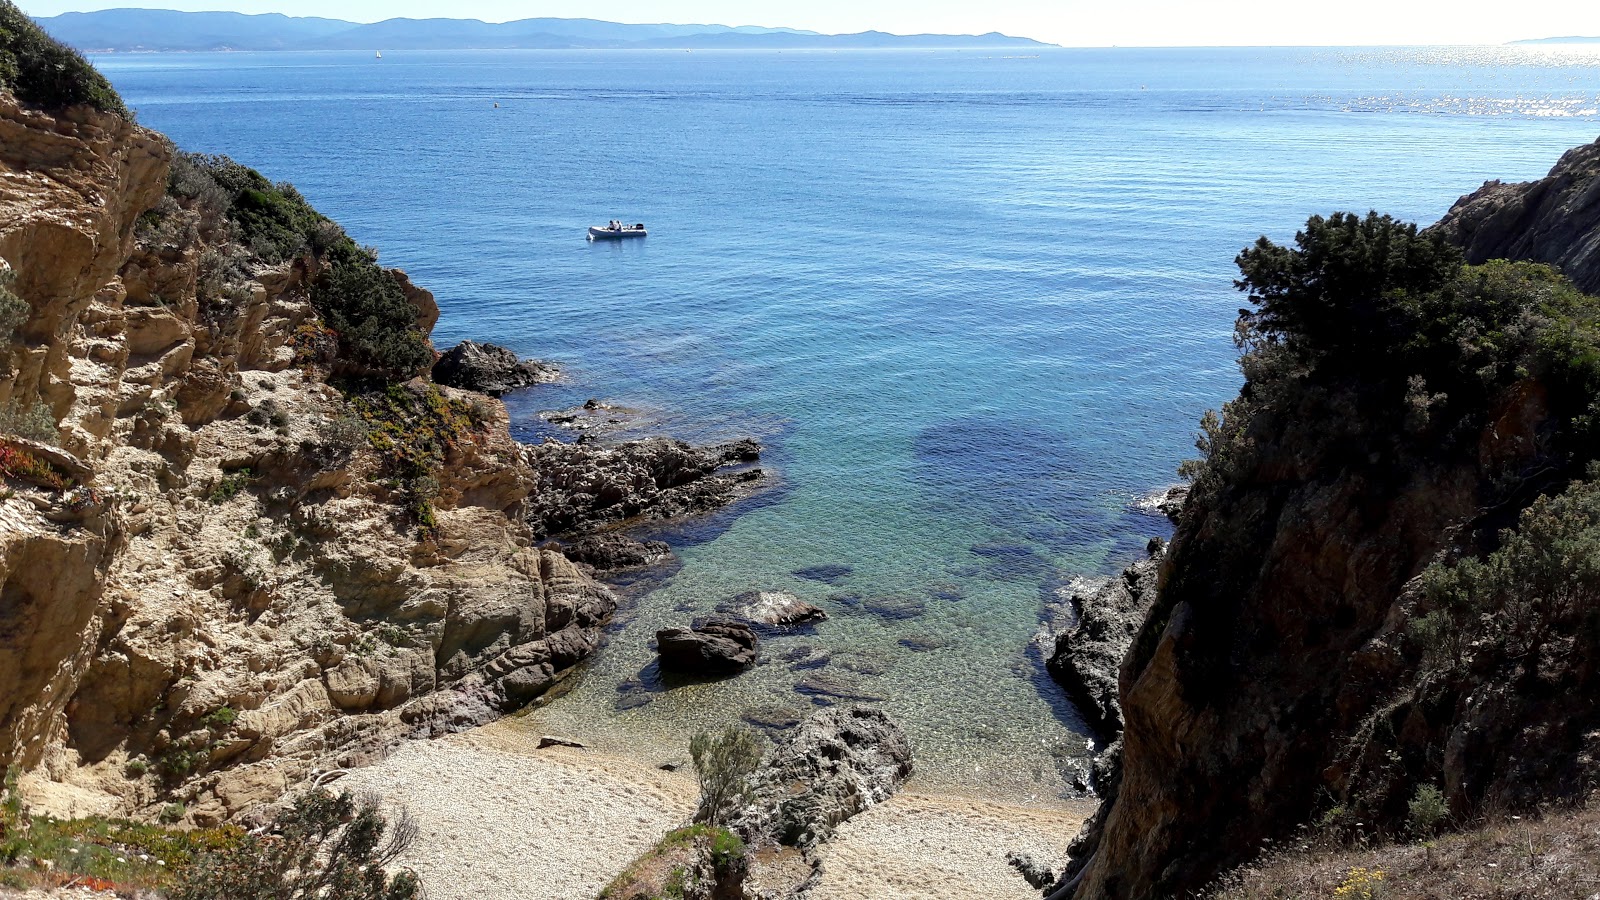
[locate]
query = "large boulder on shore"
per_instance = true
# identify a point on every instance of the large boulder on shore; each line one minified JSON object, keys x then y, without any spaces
{"x":717,"y":646}
{"x":488,"y":369}
{"x":836,"y":764}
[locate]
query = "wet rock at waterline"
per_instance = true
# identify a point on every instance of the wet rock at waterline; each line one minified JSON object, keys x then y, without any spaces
{"x":489,"y":369}
{"x":610,"y":552}
{"x":717,"y":646}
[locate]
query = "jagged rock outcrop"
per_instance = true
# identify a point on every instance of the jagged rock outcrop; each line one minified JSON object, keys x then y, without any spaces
{"x":611,"y":551}
{"x":587,"y":486}
{"x":488,"y":369}
{"x":237,"y":591}
{"x":836,"y":764}
{"x":1554,"y":220}
{"x":1103,"y":618}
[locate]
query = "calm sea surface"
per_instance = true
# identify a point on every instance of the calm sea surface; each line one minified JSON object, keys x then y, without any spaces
{"x":973,"y":303}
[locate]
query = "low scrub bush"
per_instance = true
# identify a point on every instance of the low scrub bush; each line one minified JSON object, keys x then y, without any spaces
{"x":14,"y":311}
{"x":45,"y":73}
{"x":244,"y":217}
{"x":18,"y":463}
{"x":414,"y":427}
{"x":724,"y":762}
{"x":29,"y":419}
{"x":325,"y":846}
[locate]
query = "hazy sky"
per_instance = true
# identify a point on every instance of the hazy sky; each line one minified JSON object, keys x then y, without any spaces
{"x":1068,"y":22}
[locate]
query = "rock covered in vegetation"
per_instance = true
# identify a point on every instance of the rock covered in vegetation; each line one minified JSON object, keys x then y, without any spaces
{"x":836,"y":764}
{"x":701,"y":862}
{"x":488,"y":369}
{"x":1336,"y":625}
{"x":1554,"y":220}
{"x":1087,"y":655}
{"x":716,"y":646}
{"x":588,"y":486}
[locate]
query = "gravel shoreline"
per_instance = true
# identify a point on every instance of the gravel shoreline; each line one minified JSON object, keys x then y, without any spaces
{"x":500,"y":819}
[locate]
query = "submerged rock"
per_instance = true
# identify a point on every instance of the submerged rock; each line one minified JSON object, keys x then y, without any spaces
{"x":773,"y":609}
{"x":826,"y":688}
{"x":828,"y":573}
{"x":488,"y":369}
{"x":717,"y":646}
{"x":895,"y":609}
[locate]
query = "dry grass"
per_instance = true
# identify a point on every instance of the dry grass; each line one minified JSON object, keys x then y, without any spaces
{"x":1556,"y":857}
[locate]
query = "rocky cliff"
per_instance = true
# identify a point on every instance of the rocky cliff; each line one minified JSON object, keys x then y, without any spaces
{"x":232,"y":572}
{"x":1379,"y":583}
{"x":1552,"y":220}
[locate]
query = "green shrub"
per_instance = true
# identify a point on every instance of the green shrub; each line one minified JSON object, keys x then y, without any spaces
{"x":1541,"y":581}
{"x":14,"y":311}
{"x":29,"y":419}
{"x":45,"y":73}
{"x":724,"y":762}
{"x":1427,"y":810}
{"x":361,"y":305}
{"x":229,"y":486}
{"x":413,"y":428}
{"x":325,"y":846}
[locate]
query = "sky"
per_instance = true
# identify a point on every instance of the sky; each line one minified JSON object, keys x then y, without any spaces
{"x":1076,"y":23}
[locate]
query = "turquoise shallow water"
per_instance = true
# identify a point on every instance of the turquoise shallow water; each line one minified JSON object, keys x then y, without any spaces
{"x":974,"y":304}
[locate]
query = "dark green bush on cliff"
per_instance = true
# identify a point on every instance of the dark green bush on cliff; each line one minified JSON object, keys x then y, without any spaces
{"x":234,"y":204}
{"x":1368,"y":325}
{"x":44,"y":72}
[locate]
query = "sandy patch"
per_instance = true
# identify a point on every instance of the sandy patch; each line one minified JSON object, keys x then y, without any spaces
{"x":499,"y":819}
{"x":928,"y":847}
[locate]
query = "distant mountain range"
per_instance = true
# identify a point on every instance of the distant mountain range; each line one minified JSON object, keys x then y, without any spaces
{"x":165,"y":29}
{"x":1561,"y":40}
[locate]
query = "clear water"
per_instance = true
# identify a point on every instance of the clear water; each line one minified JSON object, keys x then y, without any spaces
{"x":974,"y":304}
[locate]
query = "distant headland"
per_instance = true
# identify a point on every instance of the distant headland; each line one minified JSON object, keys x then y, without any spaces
{"x":121,"y":30}
{"x":1569,"y":39}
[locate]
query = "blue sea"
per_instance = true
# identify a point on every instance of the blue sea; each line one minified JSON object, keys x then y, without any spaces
{"x":974,"y":303}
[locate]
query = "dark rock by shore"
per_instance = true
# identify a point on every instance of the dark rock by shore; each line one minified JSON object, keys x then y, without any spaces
{"x":1087,"y":656}
{"x":488,"y":369}
{"x":611,"y":551}
{"x":717,"y":646}
{"x":588,"y":486}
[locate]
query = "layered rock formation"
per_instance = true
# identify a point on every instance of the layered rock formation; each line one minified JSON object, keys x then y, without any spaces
{"x":239,"y":590}
{"x":1553,"y":220}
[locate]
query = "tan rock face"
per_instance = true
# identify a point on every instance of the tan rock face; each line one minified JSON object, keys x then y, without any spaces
{"x":244,"y":599}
